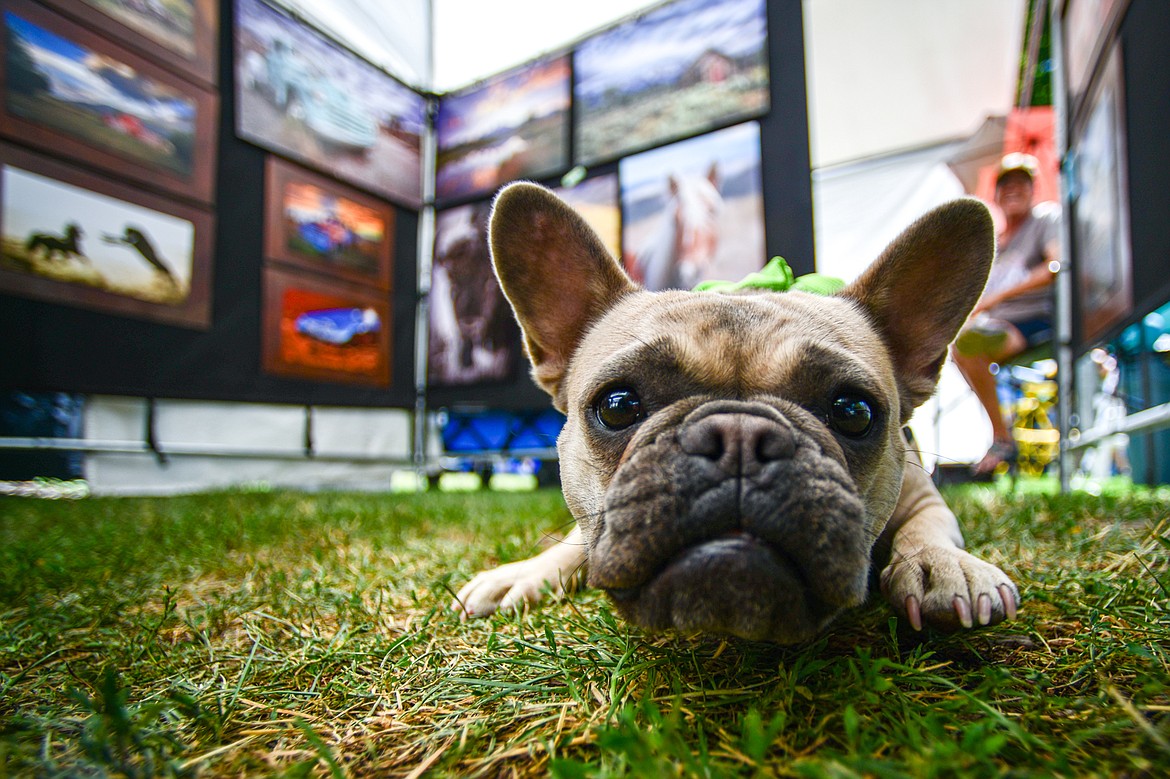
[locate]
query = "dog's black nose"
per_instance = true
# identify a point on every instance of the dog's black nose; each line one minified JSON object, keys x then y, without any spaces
{"x":738,"y":443}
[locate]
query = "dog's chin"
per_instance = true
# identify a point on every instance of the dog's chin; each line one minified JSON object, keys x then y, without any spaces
{"x":732,"y":585}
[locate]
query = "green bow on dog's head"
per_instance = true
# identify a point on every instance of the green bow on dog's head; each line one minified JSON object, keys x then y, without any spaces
{"x":776,"y":276}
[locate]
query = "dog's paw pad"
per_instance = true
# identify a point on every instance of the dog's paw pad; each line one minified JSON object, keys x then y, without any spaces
{"x":948,"y":589}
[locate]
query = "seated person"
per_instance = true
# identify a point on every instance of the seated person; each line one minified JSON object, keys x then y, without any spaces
{"x":1015,"y":312}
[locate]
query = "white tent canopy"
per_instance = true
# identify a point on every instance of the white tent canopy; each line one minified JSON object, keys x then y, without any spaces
{"x":891,"y":76}
{"x":882,"y":76}
{"x":393,"y":34}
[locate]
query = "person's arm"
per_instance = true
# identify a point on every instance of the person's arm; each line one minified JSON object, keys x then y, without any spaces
{"x":1040,"y":277}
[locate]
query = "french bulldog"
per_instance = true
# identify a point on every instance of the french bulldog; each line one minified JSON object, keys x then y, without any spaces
{"x":735,"y":463}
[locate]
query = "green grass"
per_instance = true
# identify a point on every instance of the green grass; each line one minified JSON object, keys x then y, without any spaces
{"x":282,"y":634}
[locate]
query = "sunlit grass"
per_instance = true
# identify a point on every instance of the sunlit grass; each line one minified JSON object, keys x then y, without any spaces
{"x":277,"y":633}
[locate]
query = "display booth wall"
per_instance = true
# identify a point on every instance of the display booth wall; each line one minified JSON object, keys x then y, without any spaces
{"x":62,"y":348}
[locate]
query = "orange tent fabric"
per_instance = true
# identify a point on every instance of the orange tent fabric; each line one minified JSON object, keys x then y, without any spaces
{"x":1030,"y":130}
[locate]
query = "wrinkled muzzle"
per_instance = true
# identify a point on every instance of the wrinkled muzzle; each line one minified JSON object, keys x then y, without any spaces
{"x":733,"y":521}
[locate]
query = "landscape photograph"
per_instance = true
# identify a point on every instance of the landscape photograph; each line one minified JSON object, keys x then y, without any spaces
{"x":679,"y":70}
{"x":181,"y":35}
{"x":514,"y":126}
{"x":170,"y":22}
{"x":57,"y":82}
{"x":302,"y":96}
{"x":325,"y":226}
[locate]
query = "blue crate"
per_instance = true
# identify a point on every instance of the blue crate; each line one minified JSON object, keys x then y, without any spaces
{"x":500,"y":432}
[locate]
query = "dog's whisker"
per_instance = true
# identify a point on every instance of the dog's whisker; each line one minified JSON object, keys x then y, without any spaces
{"x":551,"y":538}
{"x":578,"y":573}
{"x":560,"y":541}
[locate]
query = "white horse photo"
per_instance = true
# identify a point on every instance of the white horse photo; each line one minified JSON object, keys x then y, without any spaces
{"x":680,"y":250}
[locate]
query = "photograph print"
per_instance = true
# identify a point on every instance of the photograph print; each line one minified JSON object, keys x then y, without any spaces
{"x":82,"y":240}
{"x":473,"y":336}
{"x":515,"y":126}
{"x":325,"y":331}
{"x":677,"y":71}
{"x":73,"y":93}
{"x":321,"y":225}
{"x":694,"y":211}
{"x":1100,"y":210}
{"x":598,"y":201}
{"x":302,"y":96}
{"x":1085,"y":25}
{"x":179,"y":34}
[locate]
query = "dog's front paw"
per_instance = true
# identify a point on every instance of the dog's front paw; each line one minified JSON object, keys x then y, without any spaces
{"x":508,"y":586}
{"x":948,"y":589}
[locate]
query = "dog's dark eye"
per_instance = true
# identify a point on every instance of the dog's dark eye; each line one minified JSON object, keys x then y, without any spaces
{"x":851,"y":416}
{"x":619,"y":408}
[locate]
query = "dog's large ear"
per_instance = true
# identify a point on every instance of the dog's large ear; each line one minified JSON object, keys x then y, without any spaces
{"x":922,"y":288}
{"x":555,"y":272}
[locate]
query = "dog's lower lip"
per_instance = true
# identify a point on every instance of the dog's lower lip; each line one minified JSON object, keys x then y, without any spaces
{"x":629,"y":594}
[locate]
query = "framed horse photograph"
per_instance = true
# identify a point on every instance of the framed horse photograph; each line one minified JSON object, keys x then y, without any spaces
{"x":694,"y":211}
{"x":82,"y":240}
{"x":319,"y":330}
{"x":321,"y":225}
{"x":473,"y":338}
{"x":73,"y":93}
